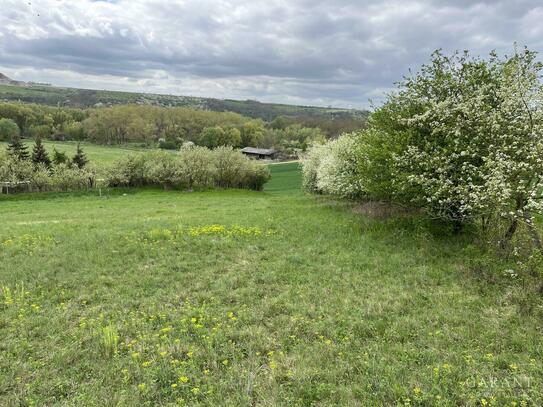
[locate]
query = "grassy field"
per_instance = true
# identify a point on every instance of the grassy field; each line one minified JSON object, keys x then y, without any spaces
{"x":95,"y":153}
{"x":240,"y":298}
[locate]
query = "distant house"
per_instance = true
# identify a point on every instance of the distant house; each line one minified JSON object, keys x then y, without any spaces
{"x":259,"y":153}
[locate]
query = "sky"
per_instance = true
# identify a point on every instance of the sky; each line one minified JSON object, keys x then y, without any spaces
{"x":343,"y":53}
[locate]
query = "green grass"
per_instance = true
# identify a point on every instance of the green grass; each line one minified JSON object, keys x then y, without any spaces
{"x":131,"y":299}
{"x":95,"y":153}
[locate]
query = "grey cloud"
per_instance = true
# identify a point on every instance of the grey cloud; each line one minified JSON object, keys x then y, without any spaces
{"x":310,"y":51}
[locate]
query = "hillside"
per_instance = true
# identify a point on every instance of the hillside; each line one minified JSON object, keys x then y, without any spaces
{"x":51,"y":95}
{"x":4,"y":80}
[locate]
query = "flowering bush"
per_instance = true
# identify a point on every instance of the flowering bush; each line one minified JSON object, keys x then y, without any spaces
{"x":338,"y":171}
{"x":193,"y":168}
{"x":128,"y":171}
{"x":310,"y":167}
{"x":230,"y":166}
{"x":162,"y":168}
{"x":462,"y":139}
{"x":70,"y":178}
{"x":196,"y":166}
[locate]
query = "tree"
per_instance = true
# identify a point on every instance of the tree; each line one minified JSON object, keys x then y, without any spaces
{"x":59,"y":157}
{"x":8,"y":130}
{"x":252,"y":133}
{"x":462,"y":139}
{"x":39,"y":154}
{"x":212,"y":137}
{"x":232,"y":137}
{"x":80,"y":159}
{"x":18,"y":149}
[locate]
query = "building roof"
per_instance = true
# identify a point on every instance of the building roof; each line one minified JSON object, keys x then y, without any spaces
{"x":259,"y":151}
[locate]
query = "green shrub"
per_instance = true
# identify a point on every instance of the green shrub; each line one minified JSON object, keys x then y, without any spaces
{"x":41,"y":180}
{"x":69,"y":178}
{"x":234,"y":170}
{"x":255,"y":176}
{"x":229,"y":167}
{"x":15,"y":170}
{"x":162,"y":168}
{"x":196,"y":167}
{"x":462,"y":139}
{"x":8,"y":130}
{"x":128,"y":171}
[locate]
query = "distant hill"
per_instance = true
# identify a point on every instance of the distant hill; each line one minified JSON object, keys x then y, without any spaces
{"x":11,"y":90}
{"x":4,"y":80}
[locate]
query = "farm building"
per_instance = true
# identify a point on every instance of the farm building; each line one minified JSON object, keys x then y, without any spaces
{"x":259,"y":153}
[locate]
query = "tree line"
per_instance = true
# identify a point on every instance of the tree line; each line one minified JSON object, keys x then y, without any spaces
{"x":169,"y":128}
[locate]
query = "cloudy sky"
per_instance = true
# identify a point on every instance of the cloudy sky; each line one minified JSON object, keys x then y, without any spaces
{"x":318,"y":52}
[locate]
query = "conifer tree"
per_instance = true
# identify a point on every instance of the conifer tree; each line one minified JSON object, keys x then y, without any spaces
{"x":39,"y":155}
{"x":18,"y":149}
{"x":80,"y":159}
{"x":59,"y":157}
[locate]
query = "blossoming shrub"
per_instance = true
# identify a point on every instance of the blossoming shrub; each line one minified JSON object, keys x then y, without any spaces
{"x":193,"y":167}
{"x":230,"y":167}
{"x":161,"y":168}
{"x":338,"y":170}
{"x":128,"y":171}
{"x":196,"y":167}
{"x":254,"y":176}
{"x":462,"y":139}
{"x":310,"y":167}
{"x":37,"y":177}
{"x":66,"y":177}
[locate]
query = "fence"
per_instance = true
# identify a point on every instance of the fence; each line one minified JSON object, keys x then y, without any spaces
{"x":15,"y":187}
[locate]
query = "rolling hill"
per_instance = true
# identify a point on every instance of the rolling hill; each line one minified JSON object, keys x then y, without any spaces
{"x":51,"y":95}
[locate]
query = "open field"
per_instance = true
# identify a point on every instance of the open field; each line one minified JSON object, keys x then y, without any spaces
{"x":95,"y":153}
{"x":137,"y":299}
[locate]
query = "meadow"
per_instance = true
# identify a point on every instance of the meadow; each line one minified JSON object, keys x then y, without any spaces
{"x":230,"y":297}
{"x":94,"y":152}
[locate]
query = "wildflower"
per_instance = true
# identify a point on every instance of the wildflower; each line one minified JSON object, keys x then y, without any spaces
{"x":173,"y":385}
{"x":417,"y":390}
{"x":195,"y":390}
{"x":183,"y":379}
{"x":141,"y":387}
{"x":513,"y":366}
{"x":484,"y":402}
